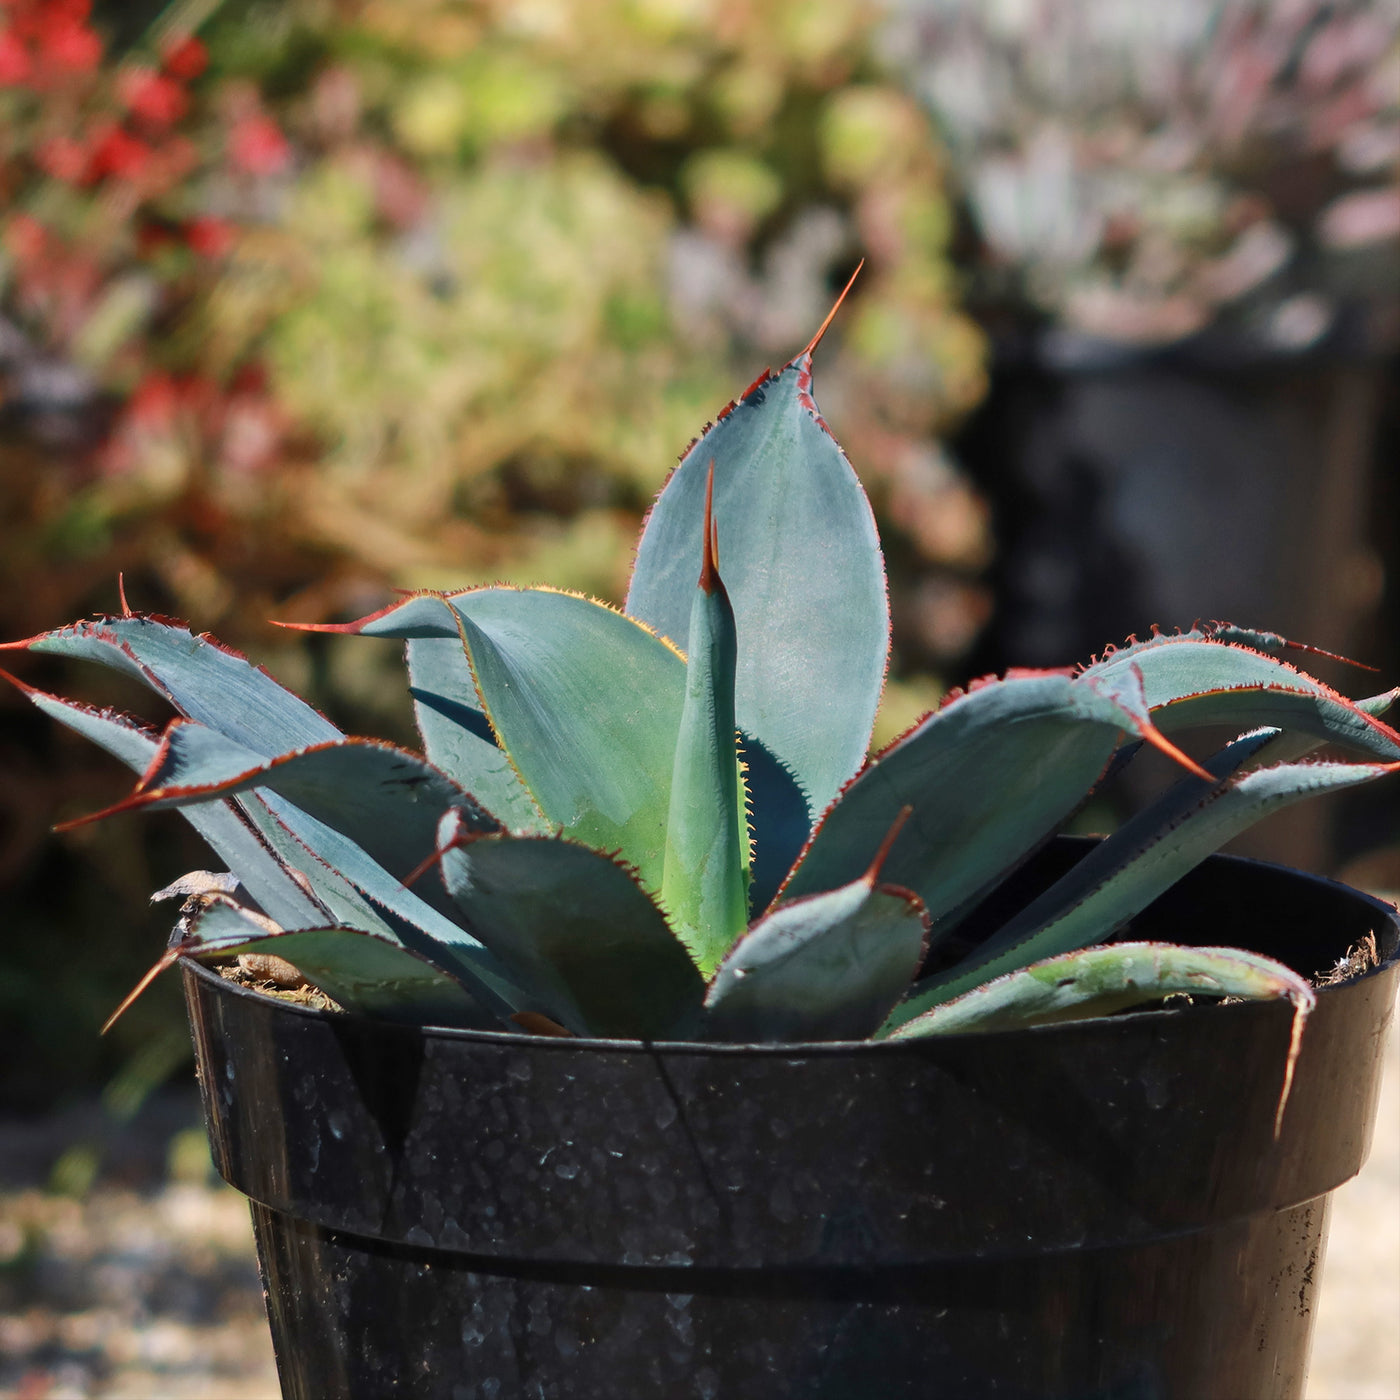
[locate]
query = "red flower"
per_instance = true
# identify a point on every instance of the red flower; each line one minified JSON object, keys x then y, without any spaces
{"x":63,"y":158}
{"x":14,"y":60}
{"x":67,"y":44}
{"x":256,"y":145}
{"x":155,"y":401}
{"x":74,"y":11}
{"x":186,"y":58}
{"x":153,"y":97}
{"x":119,"y":154}
{"x":209,"y":237}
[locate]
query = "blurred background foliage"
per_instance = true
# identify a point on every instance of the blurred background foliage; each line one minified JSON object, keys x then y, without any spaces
{"x":301,"y":301}
{"x":1145,"y":172}
{"x":304,"y":300}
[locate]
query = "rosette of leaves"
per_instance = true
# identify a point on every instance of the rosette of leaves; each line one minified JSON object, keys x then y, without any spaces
{"x":662,"y":822}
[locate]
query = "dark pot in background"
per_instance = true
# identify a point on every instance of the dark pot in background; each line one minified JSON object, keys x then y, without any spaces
{"x":1218,"y":477}
{"x":1086,"y":1210}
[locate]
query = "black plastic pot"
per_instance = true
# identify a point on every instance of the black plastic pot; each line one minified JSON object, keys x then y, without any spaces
{"x":1086,"y":1210}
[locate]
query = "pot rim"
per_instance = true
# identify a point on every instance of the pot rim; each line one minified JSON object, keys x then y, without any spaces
{"x":1389,"y":914}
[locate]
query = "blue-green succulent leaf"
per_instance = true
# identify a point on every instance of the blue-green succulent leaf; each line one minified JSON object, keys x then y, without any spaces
{"x":227,"y":833}
{"x":298,"y":868}
{"x":294,"y":888}
{"x":392,"y":909}
{"x":778,"y":823}
{"x":827,"y":967}
{"x":1314,"y":716}
{"x":586,"y":704}
{"x":384,"y":799}
{"x":989,"y":776}
{"x":1129,"y":869}
{"x":457,"y":735}
{"x":1190,"y":681}
{"x":203,"y":679}
{"x":290,"y":885}
{"x":1289,"y":745}
{"x":364,"y":972}
{"x":705,"y":888}
{"x":575,"y":925}
{"x":1271,"y":643}
{"x":1103,"y":980}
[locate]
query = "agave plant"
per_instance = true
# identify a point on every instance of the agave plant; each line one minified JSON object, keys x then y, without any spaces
{"x":662,"y":822}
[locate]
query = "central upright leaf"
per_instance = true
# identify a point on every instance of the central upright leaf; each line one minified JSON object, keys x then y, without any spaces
{"x":706,"y":885}
{"x":802,"y":564}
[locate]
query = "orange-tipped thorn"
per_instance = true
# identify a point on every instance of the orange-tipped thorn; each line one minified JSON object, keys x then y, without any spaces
{"x":166,"y":959}
{"x":709,"y":561}
{"x":876,"y":865}
{"x":1301,"y":1010}
{"x":73,"y":823}
{"x":312,"y":626}
{"x":831,"y":315}
{"x":1162,"y":744}
{"x":456,"y":840}
{"x":425,"y":865}
{"x":1335,"y":656}
{"x":121,"y":593}
{"x":22,"y":686}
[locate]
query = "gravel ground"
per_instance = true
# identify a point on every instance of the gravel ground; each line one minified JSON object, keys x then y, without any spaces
{"x":145,"y":1287}
{"x":137,"y":1296}
{"x":1356,"y":1337}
